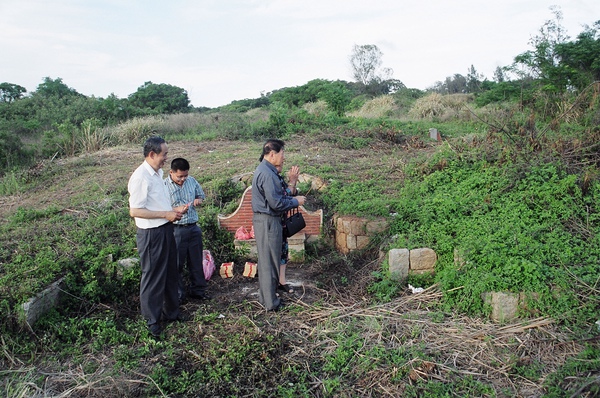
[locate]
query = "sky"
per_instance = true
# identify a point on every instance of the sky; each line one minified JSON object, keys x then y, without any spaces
{"x":225,"y":50}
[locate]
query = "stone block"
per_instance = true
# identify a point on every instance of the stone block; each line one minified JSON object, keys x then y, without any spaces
{"x":344,"y":225}
{"x":129,"y":262}
{"x":351,"y":242}
{"x":358,"y":227}
{"x":376,"y":227}
{"x":398,"y":260}
{"x":340,"y":241}
{"x":459,"y":260}
{"x":362,"y":241}
{"x":434,"y":134}
{"x":504,"y":305}
{"x":422,"y":260}
{"x":41,"y":303}
{"x":249,"y":245}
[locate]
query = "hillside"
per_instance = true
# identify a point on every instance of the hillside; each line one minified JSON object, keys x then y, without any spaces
{"x":336,"y":338}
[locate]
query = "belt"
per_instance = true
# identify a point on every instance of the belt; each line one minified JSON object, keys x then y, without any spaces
{"x":258,"y":213}
{"x":185,"y":225}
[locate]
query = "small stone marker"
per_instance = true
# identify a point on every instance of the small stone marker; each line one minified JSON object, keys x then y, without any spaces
{"x":399,"y":263}
{"x":41,"y":303}
{"x":434,"y":134}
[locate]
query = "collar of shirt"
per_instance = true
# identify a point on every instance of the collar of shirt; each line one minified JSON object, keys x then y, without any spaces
{"x":151,"y":170}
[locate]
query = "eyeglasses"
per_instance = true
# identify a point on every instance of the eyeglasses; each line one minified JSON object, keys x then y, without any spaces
{"x":175,"y":177}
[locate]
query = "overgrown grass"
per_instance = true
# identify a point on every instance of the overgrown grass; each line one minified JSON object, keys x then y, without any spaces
{"x":518,"y":211}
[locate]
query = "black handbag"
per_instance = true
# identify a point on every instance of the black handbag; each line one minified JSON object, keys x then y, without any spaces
{"x":294,"y":222}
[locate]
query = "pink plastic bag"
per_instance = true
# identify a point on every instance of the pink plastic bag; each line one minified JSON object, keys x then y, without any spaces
{"x":208,"y":264}
{"x":242,"y":233}
{"x":252,"y":232}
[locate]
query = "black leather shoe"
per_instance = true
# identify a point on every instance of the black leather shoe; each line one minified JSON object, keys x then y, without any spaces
{"x":182,"y":318}
{"x":155,"y":330}
{"x":200,"y":296}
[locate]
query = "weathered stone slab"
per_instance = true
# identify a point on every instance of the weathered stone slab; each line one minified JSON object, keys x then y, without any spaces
{"x":37,"y":306}
{"x":399,"y":263}
{"x":504,"y":305}
{"x":422,"y":260}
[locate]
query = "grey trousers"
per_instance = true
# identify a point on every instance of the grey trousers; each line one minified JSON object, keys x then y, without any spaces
{"x":268,"y":234}
{"x":158,"y":286}
{"x":189,"y":252}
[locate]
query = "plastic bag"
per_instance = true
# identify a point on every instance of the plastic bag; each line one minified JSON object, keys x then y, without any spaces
{"x":208,"y":264}
{"x":252,"y":232}
{"x":242,"y":233}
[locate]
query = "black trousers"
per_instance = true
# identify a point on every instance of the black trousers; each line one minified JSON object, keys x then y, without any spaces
{"x":158,"y":286}
{"x":188,"y":239}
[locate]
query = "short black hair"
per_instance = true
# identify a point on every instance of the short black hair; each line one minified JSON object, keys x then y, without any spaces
{"x":271,"y":145}
{"x":153,"y":144}
{"x":180,"y":164}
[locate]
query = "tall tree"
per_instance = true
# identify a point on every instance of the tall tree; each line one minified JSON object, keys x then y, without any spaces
{"x":543,"y":61}
{"x":474,"y":80}
{"x":365,"y":61}
{"x":499,"y":75}
{"x":10,"y":92}
{"x":160,"y":98}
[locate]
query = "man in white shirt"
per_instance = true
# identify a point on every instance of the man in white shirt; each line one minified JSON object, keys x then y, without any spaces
{"x":150,"y":206}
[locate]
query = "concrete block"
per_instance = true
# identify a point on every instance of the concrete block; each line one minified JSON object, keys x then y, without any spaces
{"x":398,"y":260}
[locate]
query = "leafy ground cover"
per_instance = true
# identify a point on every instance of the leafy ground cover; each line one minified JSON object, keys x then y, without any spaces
{"x":348,"y":329}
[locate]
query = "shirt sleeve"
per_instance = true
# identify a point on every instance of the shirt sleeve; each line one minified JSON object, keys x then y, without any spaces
{"x":275,"y":197}
{"x":138,"y":192}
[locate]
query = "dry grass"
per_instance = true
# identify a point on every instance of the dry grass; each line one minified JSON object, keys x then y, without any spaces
{"x":455,"y":347}
{"x":441,"y":107}
{"x":136,"y":129}
{"x":377,"y":107}
{"x":318,"y":108}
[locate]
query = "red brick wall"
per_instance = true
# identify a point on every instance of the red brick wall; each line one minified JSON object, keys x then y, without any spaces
{"x":243,"y":216}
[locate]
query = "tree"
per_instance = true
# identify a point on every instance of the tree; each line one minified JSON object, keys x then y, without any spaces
{"x":337,"y":96}
{"x":580,"y":60}
{"x":11,"y":92}
{"x":365,"y":61}
{"x":543,"y":61}
{"x":55,"y":88}
{"x":499,"y":75}
{"x":374,"y":80}
{"x":473,"y":80}
{"x":160,"y":98}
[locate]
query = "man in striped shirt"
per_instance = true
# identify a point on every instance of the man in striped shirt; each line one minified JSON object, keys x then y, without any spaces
{"x":184,"y":190}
